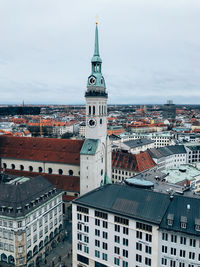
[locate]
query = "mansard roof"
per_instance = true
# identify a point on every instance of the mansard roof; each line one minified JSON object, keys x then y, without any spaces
{"x":63,"y":182}
{"x":132,"y":162}
{"x":184,"y":210}
{"x":18,"y":199}
{"x":41,"y":149}
{"x":131,"y":202}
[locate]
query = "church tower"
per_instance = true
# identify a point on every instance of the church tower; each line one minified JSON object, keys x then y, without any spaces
{"x":95,"y":162}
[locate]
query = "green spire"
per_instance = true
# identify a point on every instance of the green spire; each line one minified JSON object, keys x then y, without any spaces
{"x":96,"y":56}
{"x":96,"y":44}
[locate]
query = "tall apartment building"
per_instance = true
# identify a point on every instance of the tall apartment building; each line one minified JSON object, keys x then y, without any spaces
{"x":31,"y":220}
{"x":121,"y":225}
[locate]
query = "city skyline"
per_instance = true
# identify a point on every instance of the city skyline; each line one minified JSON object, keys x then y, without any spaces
{"x":150,"y":51}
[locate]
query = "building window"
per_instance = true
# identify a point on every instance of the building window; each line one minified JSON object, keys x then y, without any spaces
{"x":116,"y":261}
{"x":71,"y":172}
{"x":121,"y":220}
{"x":139,"y":246}
{"x":144,"y":227}
{"x":125,"y":253}
{"x":97,"y":243}
{"x":4,"y":165}
{"x":125,"y":230}
{"x":93,"y":110}
{"x":97,"y":232}
{"x":21,"y":167}
{"x":40,"y":169}
{"x":30,"y":168}
{"x":13,"y":166}
{"x":164,"y":261}
{"x":148,"y":261}
{"x":117,"y":239}
{"x":97,"y":254}
{"x":148,"y":249}
{"x":60,"y":171}
{"x":192,"y":242}
{"x":182,"y":253}
{"x":105,"y":246}
{"x":125,"y":242}
{"x":139,"y":234}
{"x":97,"y":222}
{"x":183,"y":240}
{"x":104,"y":256}
{"x":117,"y":250}
{"x":117,"y":228}
{"x":164,"y":249}
{"x":148,"y":238}
{"x":50,"y":170}
{"x":165,"y":236}
{"x":89,"y":110}
{"x":173,"y":238}
{"x":105,"y":224}
{"x":105,"y":235}
{"x":138,"y":258}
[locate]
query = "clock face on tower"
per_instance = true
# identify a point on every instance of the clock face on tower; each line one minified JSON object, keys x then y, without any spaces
{"x":92,"y":122}
{"x":92,"y":80}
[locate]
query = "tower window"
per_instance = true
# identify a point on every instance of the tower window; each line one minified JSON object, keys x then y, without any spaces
{"x":89,"y":110}
{"x":99,"y":110}
{"x":93,"y":110}
{"x":100,"y":121}
{"x":40,"y":169}
{"x":50,"y":170}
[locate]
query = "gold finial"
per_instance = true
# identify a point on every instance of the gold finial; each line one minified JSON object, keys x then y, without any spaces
{"x":96,"y":19}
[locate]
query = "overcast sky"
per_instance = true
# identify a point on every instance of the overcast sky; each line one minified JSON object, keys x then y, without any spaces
{"x":150,"y":50}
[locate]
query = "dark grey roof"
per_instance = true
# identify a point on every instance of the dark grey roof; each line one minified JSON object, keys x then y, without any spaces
{"x":138,"y":142}
{"x":177,"y":149}
{"x":166,"y":151}
{"x":155,"y":153}
{"x":14,"y":196}
{"x":128,"y":201}
{"x":186,"y":210}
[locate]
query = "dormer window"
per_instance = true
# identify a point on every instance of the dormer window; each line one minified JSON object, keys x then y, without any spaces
{"x":183,"y":222}
{"x":170,"y":219}
{"x":19,"y":209}
{"x":197,"y":224}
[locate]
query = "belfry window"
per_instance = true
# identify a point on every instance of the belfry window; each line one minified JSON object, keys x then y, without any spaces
{"x":93,"y":110}
{"x":89,"y":110}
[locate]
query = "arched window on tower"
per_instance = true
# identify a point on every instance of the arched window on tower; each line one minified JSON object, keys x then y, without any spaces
{"x":93,"y":110}
{"x":102,"y":109}
{"x":89,"y":110}
{"x":99,"y":110}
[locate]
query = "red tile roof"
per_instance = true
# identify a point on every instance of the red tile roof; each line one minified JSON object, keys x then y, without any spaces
{"x":132,"y":162}
{"x":41,"y":149}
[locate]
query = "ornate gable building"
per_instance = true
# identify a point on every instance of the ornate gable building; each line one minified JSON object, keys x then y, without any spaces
{"x":73,"y":165}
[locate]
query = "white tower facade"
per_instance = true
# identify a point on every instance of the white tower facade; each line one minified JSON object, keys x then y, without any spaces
{"x":95,"y":161}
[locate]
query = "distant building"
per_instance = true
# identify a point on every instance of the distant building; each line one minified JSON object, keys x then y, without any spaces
{"x":169,"y":156}
{"x":31,"y":220}
{"x":169,"y":110}
{"x":137,"y":146}
{"x":125,"y":165}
